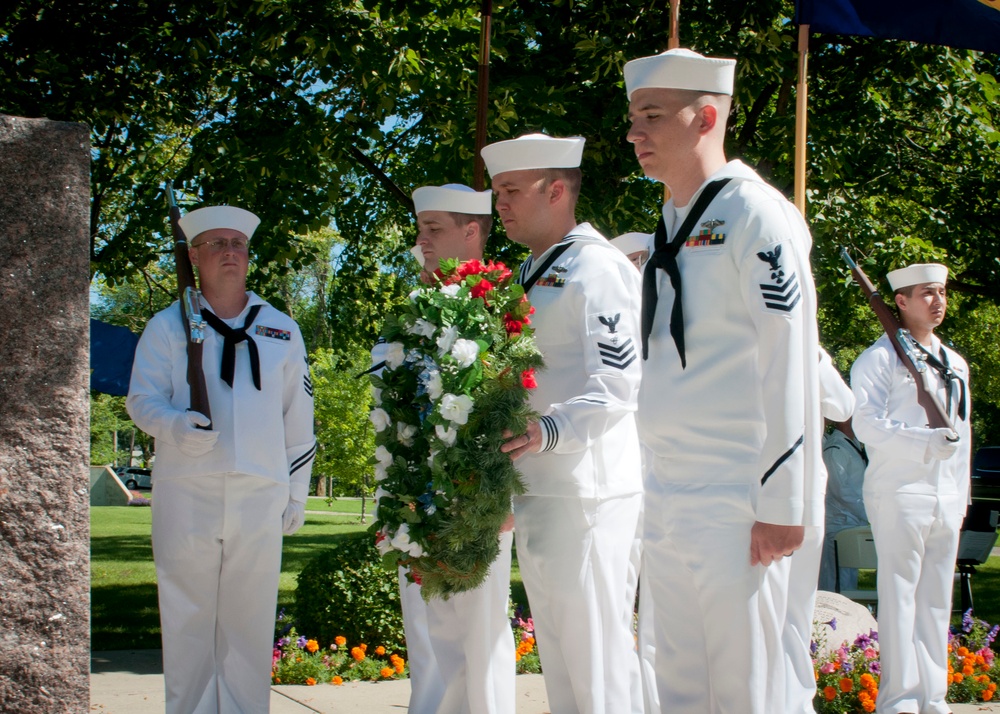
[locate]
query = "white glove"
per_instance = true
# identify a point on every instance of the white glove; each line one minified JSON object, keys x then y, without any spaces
{"x":190,"y":440}
{"x":943,"y":445}
{"x":293,"y":517}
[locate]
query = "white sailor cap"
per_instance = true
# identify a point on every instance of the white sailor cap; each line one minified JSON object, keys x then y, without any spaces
{"x":211,"y":217}
{"x":917,"y":274}
{"x":454,"y":198}
{"x":629,"y":243}
{"x":533,"y":151}
{"x":680,"y":69}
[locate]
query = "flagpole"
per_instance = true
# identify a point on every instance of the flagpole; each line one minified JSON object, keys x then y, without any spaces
{"x":801,"y":117}
{"x":675,"y":23}
{"x":673,"y":42}
{"x":483,"y":94}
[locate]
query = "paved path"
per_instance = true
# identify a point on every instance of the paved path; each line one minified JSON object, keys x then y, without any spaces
{"x":131,"y":682}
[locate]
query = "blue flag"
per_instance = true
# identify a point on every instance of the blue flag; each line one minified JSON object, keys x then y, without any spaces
{"x":112,"y":350}
{"x":970,"y":24}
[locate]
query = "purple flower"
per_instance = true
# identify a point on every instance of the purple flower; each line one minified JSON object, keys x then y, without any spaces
{"x":813,"y":648}
{"x":863,"y":642}
{"x":301,"y":642}
{"x":967,"y":621}
{"x":832,"y":623}
{"x":847,"y":665}
{"x":992,"y":635}
{"x":283,"y":641}
{"x":874,"y":667}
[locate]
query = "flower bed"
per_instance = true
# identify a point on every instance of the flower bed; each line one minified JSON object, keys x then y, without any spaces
{"x":459,"y":364}
{"x":847,"y":678}
{"x":299,"y":660}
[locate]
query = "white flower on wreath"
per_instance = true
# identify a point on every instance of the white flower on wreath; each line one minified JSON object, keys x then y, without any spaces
{"x":380,"y":473}
{"x":465,"y":352}
{"x":415,"y":294}
{"x":434,"y":387}
{"x":430,"y":459}
{"x":380,"y":418}
{"x":446,"y":435}
{"x":451,"y":290}
{"x":447,"y":340}
{"x":394,"y":355}
{"x":423,"y":328}
{"x":456,"y":409}
{"x":384,"y":457}
{"x":383,"y":542}
{"x":401,"y":541}
{"x":377,"y":395}
{"x":405,"y":433}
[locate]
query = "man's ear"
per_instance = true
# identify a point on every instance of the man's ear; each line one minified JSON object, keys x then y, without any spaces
{"x":556,"y":190}
{"x":900,"y":301}
{"x":708,"y":117}
{"x":193,"y":255}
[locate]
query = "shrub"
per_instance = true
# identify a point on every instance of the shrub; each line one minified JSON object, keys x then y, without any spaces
{"x":346,"y":591}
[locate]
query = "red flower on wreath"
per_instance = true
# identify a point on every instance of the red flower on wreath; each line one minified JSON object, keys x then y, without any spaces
{"x":480,"y":289}
{"x":528,"y":378}
{"x":471,"y":267}
{"x":512,"y":324}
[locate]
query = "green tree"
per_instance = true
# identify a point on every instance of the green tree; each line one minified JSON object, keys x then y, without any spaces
{"x":345,"y":436}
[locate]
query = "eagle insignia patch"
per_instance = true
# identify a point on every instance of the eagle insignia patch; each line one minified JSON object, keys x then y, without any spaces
{"x":783,"y":293}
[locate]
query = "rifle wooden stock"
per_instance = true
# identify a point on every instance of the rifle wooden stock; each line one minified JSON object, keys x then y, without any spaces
{"x":937,"y":417}
{"x":185,"y":280}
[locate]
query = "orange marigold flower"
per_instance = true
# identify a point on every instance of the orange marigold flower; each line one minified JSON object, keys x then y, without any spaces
{"x":992,"y":687}
{"x":386,"y":672}
{"x":963,"y":651}
{"x":364,"y":647}
{"x":951,"y":679}
{"x":868,"y":706}
{"x":846,"y":685}
{"x":310,"y":681}
{"x":337,"y":681}
{"x":830,"y":693}
{"x":968,"y":671}
{"x":867,"y":681}
{"x":517,"y":656}
{"x":958,"y":676}
{"x":986,"y":694}
{"x":312,"y":645}
{"x":380,"y":650}
{"x":357,"y":653}
{"x":864,"y":697}
{"x":340,"y":640}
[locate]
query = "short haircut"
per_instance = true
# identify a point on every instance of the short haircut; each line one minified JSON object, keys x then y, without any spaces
{"x":907,"y":291}
{"x":572,"y":178}
{"x":485,"y":221}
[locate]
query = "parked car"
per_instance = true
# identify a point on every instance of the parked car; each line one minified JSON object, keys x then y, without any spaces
{"x":134,"y":477}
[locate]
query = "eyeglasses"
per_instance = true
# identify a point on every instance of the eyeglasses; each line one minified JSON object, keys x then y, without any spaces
{"x":237,"y":244}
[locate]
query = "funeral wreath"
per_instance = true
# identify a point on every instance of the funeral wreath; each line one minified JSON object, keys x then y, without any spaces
{"x":459,"y":363}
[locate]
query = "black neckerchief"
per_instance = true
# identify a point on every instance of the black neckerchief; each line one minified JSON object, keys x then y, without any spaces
{"x":664,"y":257}
{"x":943,"y":368}
{"x":232,"y":337}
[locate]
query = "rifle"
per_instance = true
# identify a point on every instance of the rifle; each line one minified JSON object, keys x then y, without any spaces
{"x":902,"y":341}
{"x":194,"y":324}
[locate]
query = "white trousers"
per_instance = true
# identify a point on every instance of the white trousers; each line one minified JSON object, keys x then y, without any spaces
{"x":573,"y":555}
{"x":635,"y":664}
{"x":788,"y":598}
{"x":217,"y":549}
{"x":462,"y":652}
{"x":709,"y":638}
{"x":916,"y":538}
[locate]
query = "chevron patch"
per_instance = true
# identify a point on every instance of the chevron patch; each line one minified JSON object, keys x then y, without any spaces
{"x":783,"y":295}
{"x":307,"y":385}
{"x":617,"y":356}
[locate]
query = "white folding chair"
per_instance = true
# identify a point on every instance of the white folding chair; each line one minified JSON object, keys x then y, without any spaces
{"x":855,"y":548}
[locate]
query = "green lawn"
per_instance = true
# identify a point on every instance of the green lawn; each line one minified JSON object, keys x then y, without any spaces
{"x":124,"y":612}
{"x":340,"y":505}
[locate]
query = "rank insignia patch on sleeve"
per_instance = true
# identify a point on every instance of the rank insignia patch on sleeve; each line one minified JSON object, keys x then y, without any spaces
{"x":274,"y":333}
{"x":617,"y":356}
{"x":783,"y":293}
